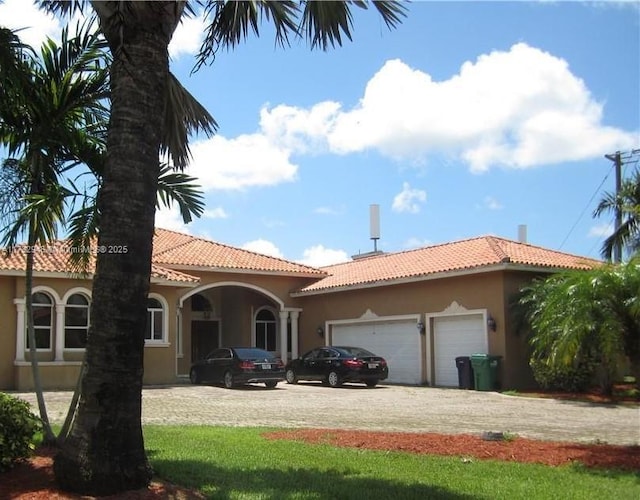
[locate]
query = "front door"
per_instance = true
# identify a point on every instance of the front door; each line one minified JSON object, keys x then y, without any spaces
{"x":205,"y":337}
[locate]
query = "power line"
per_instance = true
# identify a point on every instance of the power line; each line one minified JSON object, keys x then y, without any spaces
{"x":586,"y":207}
{"x":620,"y":159}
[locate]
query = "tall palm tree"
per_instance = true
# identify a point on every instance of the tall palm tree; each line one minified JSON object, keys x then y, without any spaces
{"x":53,"y":100}
{"x":32,"y":201}
{"x":104,"y":453}
{"x":627,"y":201}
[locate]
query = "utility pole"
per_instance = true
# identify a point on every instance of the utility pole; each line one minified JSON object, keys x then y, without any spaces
{"x":617,"y":159}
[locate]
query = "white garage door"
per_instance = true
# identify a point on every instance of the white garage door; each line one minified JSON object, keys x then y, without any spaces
{"x":455,"y":336}
{"x":396,"y":341}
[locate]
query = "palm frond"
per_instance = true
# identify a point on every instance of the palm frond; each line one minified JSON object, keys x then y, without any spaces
{"x":83,"y":231}
{"x":184,"y":115}
{"x":323,"y":24}
{"x":232,"y":22}
{"x":179,"y":188}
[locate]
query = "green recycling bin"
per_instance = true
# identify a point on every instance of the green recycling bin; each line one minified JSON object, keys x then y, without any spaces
{"x":485,"y":371}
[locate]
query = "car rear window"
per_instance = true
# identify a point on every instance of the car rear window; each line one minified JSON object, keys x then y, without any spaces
{"x":357,"y":351}
{"x":249,"y":353}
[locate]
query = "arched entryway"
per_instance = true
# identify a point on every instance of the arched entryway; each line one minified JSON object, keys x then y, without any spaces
{"x":233,"y":314}
{"x":205,"y":327}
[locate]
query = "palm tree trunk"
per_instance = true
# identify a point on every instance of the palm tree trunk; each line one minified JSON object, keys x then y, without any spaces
{"x":48,"y":435}
{"x":73,"y":407}
{"x":104,"y":452}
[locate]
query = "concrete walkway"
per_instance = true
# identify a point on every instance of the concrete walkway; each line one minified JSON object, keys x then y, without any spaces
{"x":387,"y":407}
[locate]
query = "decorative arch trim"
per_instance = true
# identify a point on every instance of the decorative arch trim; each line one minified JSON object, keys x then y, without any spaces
{"x":49,"y":291}
{"x":241,"y":284}
{"x":165,"y":320}
{"x":74,"y":291}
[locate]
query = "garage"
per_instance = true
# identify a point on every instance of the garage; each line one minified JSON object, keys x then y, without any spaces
{"x":454,"y":336}
{"x":396,"y":341}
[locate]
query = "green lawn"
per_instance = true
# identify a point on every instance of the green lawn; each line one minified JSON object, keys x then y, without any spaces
{"x":237,"y":463}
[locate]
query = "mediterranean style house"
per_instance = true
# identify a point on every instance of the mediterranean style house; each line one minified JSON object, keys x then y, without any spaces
{"x":420,"y":309}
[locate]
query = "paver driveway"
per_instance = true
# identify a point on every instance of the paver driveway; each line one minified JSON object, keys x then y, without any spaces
{"x":387,"y":407}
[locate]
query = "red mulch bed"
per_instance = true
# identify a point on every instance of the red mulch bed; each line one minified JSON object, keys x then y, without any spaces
{"x":474,"y":447}
{"x":33,"y":480}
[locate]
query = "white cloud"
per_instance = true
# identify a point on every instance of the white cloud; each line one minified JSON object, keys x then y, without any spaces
{"x":492,"y":204}
{"x":518,"y":108}
{"x":239,"y":163}
{"x":263,"y":247}
{"x":215,"y":213}
{"x":187,"y":38}
{"x":408,"y":200}
{"x":170,"y":218}
{"x":39,"y":25}
{"x":601,"y":231}
{"x":329,"y":210}
{"x":319,"y":256}
{"x":299,"y":129}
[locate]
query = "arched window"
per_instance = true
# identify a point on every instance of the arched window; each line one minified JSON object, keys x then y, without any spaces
{"x":266,"y":330}
{"x":76,"y":321}
{"x":200,"y":303}
{"x":42,"y":320}
{"x":155,"y":321}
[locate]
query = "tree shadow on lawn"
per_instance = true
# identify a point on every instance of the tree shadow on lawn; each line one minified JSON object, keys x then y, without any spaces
{"x":275,"y":484}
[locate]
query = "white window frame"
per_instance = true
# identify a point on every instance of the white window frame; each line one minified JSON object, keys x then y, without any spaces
{"x":52,"y":322}
{"x":257,"y":322}
{"x":70,"y":294}
{"x":163,"y":341}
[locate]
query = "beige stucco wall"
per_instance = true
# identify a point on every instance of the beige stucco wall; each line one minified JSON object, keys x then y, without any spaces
{"x":236,"y":296}
{"x":7,"y":331}
{"x":483,"y":291}
{"x":159,"y":360}
{"x":52,"y":375}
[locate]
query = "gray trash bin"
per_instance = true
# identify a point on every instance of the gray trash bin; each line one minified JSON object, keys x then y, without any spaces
{"x":465,"y":372}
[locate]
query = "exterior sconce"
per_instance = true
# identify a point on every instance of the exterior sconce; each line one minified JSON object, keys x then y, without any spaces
{"x":491,"y":323}
{"x":320,"y":331}
{"x":421,"y":328}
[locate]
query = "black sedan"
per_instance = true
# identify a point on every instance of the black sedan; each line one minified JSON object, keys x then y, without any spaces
{"x":334,"y":365}
{"x":238,"y":365}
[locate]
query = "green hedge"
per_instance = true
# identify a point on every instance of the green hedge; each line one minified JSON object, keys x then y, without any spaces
{"x":18,"y":426}
{"x":563,"y":378}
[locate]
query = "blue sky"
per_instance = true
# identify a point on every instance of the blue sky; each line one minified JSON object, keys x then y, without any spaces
{"x":470,"y":118}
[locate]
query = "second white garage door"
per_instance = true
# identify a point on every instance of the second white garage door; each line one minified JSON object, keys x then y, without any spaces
{"x":396,"y":341}
{"x":460,"y":335}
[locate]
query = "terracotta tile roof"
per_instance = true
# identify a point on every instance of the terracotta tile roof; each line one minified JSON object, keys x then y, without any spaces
{"x":176,"y":249}
{"x":171,"y":250}
{"x":54,"y":258}
{"x":466,"y":255}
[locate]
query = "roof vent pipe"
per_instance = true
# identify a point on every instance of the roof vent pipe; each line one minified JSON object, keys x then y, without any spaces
{"x":374,"y":225}
{"x":522,"y":233}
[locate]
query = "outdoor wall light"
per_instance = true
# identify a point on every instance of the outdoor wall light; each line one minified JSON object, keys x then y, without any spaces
{"x":421,"y":328}
{"x":320,"y":331}
{"x":491,"y":323}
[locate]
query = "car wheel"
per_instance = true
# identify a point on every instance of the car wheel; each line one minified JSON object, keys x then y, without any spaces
{"x":271,"y":384}
{"x":228,"y":380}
{"x":291,"y":377}
{"x":372,"y":383}
{"x":194,"y":377}
{"x":333,"y":379}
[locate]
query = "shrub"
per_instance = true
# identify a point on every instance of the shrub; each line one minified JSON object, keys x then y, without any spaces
{"x":18,"y":425}
{"x":562,"y":378}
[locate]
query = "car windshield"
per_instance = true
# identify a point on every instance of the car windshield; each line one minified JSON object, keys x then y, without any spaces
{"x":357,"y":352}
{"x":249,"y":353}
